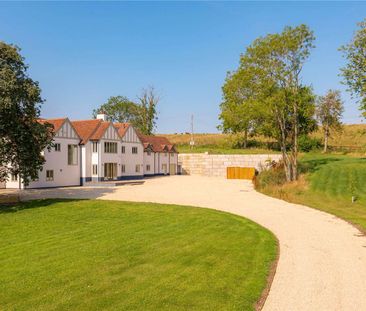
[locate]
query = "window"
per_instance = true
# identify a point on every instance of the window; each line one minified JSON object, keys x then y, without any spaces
{"x":58,"y":147}
{"x":72,"y":154}
{"x":123,"y":168}
{"x":137,"y":169}
{"x":123,"y":149}
{"x":110,"y":147}
{"x":95,"y":169}
{"x":95,"y":146}
{"x":148,"y":168}
{"x":134,"y":150}
{"x":49,"y":175}
{"x":172,"y":155}
{"x":149,"y":153}
{"x":14,"y":177}
{"x":165,"y":154}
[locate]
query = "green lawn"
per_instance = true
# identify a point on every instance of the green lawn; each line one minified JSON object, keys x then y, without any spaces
{"x":107,"y":255}
{"x":329,"y":182}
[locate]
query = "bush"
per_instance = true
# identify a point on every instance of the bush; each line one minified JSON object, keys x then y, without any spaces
{"x":307,"y":143}
{"x":273,"y":176}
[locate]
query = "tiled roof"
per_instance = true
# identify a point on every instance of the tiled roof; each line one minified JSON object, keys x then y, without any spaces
{"x":98,"y":134}
{"x":86,"y":128}
{"x":57,"y":123}
{"x":158,"y":143}
{"x":122,"y":128}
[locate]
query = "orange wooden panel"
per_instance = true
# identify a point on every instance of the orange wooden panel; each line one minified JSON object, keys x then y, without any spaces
{"x":240,"y":172}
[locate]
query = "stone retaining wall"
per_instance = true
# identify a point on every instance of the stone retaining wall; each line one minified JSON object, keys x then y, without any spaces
{"x":216,"y":164}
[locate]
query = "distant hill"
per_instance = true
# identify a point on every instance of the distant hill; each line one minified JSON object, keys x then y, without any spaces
{"x":352,"y":136}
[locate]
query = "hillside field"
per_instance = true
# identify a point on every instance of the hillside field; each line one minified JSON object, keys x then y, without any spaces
{"x":352,"y":138}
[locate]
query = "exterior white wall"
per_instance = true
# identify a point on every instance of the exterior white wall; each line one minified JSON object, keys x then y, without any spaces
{"x":63,"y":174}
{"x":149,"y":159}
{"x":164,"y":159}
{"x":130,"y":160}
{"x":110,"y":135}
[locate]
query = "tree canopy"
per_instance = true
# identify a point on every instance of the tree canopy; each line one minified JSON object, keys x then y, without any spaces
{"x":329,"y":110}
{"x":354,"y":72}
{"x":22,"y":137}
{"x":141,"y":114}
{"x":267,"y":87}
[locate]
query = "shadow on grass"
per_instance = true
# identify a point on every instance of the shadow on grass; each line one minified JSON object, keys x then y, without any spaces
{"x":17,"y":207}
{"x":311,"y":166}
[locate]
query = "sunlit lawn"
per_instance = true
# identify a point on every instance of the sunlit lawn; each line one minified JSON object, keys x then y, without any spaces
{"x":107,"y":255}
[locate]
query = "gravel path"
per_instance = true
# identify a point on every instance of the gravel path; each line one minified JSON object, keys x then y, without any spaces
{"x":322,"y":264}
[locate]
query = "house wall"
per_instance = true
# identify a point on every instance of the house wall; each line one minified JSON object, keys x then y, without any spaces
{"x":130,"y":160}
{"x":164,"y":159}
{"x":149,"y":160}
{"x":63,"y":173}
{"x":110,"y":135}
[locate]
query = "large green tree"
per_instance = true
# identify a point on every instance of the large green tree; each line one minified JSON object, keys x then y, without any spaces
{"x":329,"y":110}
{"x":238,"y":111}
{"x":273,"y":65}
{"x":354,"y":72}
{"x":119,"y":109}
{"x":22,"y":137}
{"x":141,"y":114}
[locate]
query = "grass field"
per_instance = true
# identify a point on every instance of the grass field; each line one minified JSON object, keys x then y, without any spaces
{"x":352,"y":135}
{"x":328,"y":184}
{"x":106,"y":255}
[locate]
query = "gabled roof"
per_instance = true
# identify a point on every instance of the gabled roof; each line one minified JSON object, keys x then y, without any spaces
{"x":158,"y":143}
{"x":121,"y":128}
{"x":57,"y":123}
{"x":86,"y":128}
{"x":99,"y":132}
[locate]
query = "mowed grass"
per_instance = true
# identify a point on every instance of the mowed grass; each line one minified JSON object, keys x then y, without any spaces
{"x":107,"y":255}
{"x":329,"y":182}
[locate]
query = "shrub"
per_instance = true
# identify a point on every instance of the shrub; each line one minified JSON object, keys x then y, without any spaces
{"x":307,"y":143}
{"x":269,"y":177}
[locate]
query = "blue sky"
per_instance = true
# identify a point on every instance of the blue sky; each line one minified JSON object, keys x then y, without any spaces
{"x":82,"y":53}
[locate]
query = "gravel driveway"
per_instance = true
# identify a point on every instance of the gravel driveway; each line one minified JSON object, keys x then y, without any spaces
{"x":322,"y":264}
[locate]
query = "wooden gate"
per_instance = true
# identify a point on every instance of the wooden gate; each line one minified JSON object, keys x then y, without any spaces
{"x":240,"y":173}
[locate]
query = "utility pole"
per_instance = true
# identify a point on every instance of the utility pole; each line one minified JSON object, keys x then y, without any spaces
{"x":191,"y":143}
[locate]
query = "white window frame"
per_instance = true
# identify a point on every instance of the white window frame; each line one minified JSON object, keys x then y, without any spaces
{"x":94,"y":169}
{"x":123,"y":168}
{"x":110,"y":147}
{"x":57,"y":147}
{"x":50,"y":175}
{"x":14,"y":177}
{"x":148,"y":168}
{"x":95,"y":147}
{"x":74,"y":158}
{"x":137,"y":168}
{"x":134,"y":150}
{"x":123,"y":149}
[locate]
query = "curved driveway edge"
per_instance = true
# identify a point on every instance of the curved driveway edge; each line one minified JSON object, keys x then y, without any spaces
{"x":322,"y":265}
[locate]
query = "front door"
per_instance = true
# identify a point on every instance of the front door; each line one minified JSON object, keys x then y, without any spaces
{"x":165,"y":168}
{"x":173,"y":169}
{"x":110,"y":171}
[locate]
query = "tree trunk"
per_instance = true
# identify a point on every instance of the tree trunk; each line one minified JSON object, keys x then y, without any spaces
{"x":295,"y":142}
{"x":245,"y":138}
{"x":326,"y":136}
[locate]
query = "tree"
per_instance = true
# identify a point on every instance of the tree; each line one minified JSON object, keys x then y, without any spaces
{"x":119,"y":109}
{"x":22,"y":137}
{"x":238,"y":112}
{"x":273,"y":65}
{"x":148,"y":113}
{"x":354,"y":73}
{"x":142,"y":115}
{"x":329,"y":111}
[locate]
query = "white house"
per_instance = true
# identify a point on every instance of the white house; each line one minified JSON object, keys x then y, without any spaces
{"x":98,"y":150}
{"x":63,"y":164}
{"x":160,"y":156}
